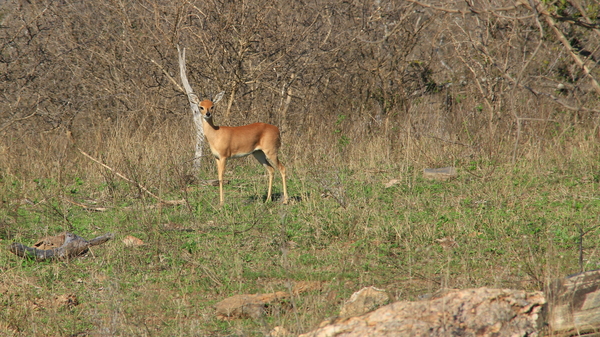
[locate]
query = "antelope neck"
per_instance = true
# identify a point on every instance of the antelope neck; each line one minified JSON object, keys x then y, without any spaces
{"x":210,"y":124}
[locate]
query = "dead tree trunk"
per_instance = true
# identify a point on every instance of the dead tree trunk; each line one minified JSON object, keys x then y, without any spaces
{"x":194,"y":102}
{"x":63,"y":246}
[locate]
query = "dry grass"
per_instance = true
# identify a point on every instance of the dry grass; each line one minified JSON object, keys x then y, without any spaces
{"x":345,"y":228}
{"x":360,"y":114}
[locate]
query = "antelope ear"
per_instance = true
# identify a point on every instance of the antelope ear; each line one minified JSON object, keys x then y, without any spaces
{"x":218,"y":97}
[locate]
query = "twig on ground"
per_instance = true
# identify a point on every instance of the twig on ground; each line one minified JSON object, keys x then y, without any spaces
{"x":161,"y":200}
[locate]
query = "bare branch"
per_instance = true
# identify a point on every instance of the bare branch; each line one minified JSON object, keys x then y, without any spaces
{"x":471,"y":10}
{"x":138,"y":185}
{"x":561,"y":37}
{"x":9,"y":123}
{"x":588,"y":22}
{"x":168,"y":76}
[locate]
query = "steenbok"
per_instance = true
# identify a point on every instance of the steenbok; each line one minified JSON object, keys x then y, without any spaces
{"x":259,"y":139}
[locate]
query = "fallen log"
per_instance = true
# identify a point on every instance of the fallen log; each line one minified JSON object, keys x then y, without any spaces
{"x":574,"y":304}
{"x":64,"y":246}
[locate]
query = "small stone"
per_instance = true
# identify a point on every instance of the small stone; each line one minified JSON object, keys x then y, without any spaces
{"x":443,"y":174}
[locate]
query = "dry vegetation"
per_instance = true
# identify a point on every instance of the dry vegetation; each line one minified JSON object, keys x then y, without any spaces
{"x":364,"y":92}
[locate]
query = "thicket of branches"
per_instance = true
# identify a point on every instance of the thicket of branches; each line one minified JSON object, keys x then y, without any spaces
{"x":365,"y":67}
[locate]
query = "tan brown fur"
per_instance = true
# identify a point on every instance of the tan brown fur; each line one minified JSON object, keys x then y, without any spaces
{"x":259,"y":139}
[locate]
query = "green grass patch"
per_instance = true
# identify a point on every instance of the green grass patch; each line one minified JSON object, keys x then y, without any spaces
{"x":518,"y":228}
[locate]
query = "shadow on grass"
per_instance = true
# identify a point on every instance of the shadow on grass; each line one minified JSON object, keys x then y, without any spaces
{"x":275,"y":197}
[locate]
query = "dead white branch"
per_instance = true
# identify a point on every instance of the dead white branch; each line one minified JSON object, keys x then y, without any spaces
{"x":194,"y":101}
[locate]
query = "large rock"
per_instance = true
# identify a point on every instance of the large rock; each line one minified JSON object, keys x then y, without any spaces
{"x":365,"y":300}
{"x":470,"y":312}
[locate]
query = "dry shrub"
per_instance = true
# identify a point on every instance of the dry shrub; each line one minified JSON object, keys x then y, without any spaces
{"x":374,"y":84}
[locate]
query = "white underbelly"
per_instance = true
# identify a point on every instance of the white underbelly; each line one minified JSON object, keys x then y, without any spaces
{"x":235,"y":155}
{"x":240,"y":155}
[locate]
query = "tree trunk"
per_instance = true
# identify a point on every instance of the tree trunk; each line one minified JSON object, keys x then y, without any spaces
{"x":194,"y":102}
